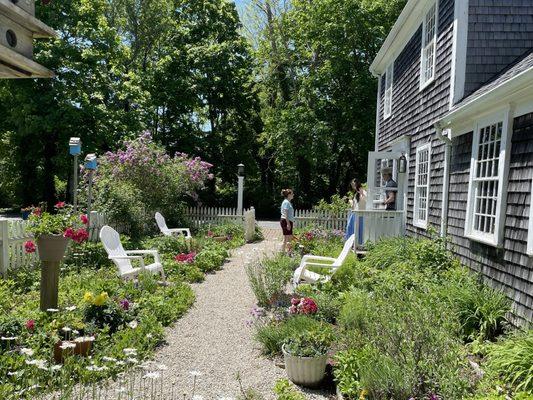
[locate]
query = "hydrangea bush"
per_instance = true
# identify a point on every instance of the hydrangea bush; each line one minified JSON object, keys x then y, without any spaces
{"x":139,"y":179}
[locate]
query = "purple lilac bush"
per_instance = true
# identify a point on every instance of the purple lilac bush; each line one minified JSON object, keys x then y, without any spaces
{"x":140,"y":178}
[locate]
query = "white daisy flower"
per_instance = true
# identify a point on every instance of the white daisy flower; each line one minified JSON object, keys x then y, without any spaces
{"x":133,"y":324}
{"x":27,"y":351}
{"x":152,"y":375}
{"x":195,"y":373}
{"x":71,"y":308}
{"x":67,"y":345}
{"x":52,"y":310}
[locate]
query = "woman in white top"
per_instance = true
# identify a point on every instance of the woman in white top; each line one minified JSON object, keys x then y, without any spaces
{"x":358,"y":203}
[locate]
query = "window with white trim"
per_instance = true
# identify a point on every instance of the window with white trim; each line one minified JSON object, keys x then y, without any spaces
{"x":389,"y":77}
{"x":429,"y":47}
{"x":487,"y":185}
{"x":423,"y":162}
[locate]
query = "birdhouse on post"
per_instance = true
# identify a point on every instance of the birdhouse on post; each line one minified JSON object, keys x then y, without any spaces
{"x":18,"y":28}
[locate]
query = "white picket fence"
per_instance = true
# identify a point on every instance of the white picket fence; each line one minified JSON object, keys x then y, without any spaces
{"x":321,"y":219}
{"x":201,"y":216}
{"x":13,"y":235}
{"x":373,"y":225}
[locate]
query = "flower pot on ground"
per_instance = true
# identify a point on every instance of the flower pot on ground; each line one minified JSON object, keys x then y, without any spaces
{"x":80,"y":346}
{"x":306,"y":357}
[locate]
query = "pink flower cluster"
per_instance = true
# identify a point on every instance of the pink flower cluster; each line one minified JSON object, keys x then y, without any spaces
{"x":29,"y":247}
{"x":304,"y":305}
{"x":186,"y":258}
{"x":78,"y":235}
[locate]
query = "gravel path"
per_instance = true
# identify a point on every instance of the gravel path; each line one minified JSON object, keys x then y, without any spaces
{"x":213,"y":338}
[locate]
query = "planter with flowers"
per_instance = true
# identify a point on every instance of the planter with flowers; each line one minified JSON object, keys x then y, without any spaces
{"x":306,"y":357}
{"x":52,"y":232}
{"x":71,"y":337}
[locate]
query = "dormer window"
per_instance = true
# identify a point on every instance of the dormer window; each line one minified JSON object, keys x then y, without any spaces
{"x":429,"y":47}
{"x":389,"y":76}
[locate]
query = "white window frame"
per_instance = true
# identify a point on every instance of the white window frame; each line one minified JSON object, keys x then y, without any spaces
{"x":495,"y":239}
{"x":422,"y":223}
{"x":387,"y":98}
{"x":530,"y":224}
{"x":425,"y":44}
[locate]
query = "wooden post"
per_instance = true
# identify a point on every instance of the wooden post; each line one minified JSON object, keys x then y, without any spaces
{"x":249,"y":225}
{"x":49,"y":284}
{"x":4,"y":249}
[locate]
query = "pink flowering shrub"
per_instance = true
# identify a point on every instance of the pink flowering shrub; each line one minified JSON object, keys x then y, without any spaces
{"x":304,"y":305}
{"x":135,"y":181}
{"x":186,"y":258}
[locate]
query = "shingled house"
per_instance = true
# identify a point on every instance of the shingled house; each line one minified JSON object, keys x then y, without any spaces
{"x":455,"y":123}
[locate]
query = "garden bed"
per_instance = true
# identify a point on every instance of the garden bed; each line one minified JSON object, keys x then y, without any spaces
{"x":407,"y":322}
{"x":122,"y":321}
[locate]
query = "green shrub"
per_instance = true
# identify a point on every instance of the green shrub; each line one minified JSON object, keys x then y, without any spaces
{"x":211,"y":258}
{"x":166,"y":245}
{"x":511,"y":360}
{"x":168,"y":304}
{"x":272,"y":336}
{"x":409,"y":341}
{"x":87,"y":255}
{"x":481,"y":310}
{"x":269,"y":276}
{"x":346,"y":372}
{"x":312,"y":343}
{"x":286,"y":391}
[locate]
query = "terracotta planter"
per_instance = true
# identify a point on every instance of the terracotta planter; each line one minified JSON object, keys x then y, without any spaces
{"x":52,"y":248}
{"x":305,"y":371}
{"x":83,"y":349}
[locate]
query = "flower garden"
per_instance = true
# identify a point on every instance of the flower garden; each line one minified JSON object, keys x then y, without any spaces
{"x":406,"y":322}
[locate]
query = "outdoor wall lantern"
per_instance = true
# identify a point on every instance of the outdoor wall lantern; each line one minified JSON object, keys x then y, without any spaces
{"x":240,"y":169}
{"x":402,"y":164}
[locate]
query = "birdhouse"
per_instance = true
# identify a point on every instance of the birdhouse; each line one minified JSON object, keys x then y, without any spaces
{"x":90,"y":162}
{"x":75,"y":146}
{"x":18,"y":28}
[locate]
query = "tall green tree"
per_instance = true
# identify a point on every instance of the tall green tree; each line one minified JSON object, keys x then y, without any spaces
{"x":90,"y":97}
{"x":318,"y":97}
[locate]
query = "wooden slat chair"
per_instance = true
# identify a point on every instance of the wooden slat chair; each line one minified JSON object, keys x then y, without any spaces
{"x":162,"y":224}
{"x":304,"y":275}
{"x":123,"y":258}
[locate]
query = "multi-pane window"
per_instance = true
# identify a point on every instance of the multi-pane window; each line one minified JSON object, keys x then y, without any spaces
{"x":486,"y":179}
{"x":429,"y":46}
{"x":389,"y":76}
{"x":423,"y":154}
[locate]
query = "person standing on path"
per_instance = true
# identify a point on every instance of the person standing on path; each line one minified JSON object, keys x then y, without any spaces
{"x":287,"y":218}
{"x":358,"y":203}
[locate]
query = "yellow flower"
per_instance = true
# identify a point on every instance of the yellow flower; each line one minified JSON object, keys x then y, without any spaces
{"x":100,"y":299}
{"x":88,"y":297}
{"x":363,"y":394}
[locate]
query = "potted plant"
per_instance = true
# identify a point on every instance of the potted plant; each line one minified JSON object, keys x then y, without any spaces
{"x":52,"y":231}
{"x":306,"y":357}
{"x":72,"y":337}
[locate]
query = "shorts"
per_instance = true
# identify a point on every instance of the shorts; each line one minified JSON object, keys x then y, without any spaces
{"x":286,"y":226}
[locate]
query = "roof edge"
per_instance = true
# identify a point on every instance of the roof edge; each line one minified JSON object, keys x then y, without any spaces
{"x":399,"y":35}
{"x":501,"y":92}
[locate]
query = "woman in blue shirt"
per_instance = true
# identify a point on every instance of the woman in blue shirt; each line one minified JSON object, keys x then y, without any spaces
{"x":287,"y":218}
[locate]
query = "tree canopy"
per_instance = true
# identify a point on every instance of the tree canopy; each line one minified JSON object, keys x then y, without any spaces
{"x":288,"y":92}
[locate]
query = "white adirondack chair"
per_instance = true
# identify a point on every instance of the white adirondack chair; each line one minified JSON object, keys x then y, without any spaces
{"x":162,"y":224}
{"x":303,"y":274}
{"x":123,"y":258}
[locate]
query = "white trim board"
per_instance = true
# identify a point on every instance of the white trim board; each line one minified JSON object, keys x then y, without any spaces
{"x":404,"y":28}
{"x":460,"y":40}
{"x":517,"y":90}
{"x":530,"y":224}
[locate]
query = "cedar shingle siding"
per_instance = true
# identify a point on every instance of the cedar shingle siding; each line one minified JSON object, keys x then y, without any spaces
{"x":499,"y":31}
{"x":509,"y":268}
{"x":414,"y":112}
{"x":500,"y":36}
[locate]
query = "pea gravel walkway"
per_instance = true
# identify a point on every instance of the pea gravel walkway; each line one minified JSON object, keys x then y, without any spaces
{"x":213,"y":337}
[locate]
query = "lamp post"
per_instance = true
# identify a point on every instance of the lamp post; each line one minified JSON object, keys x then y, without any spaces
{"x":90,"y":165}
{"x":75,"y":150}
{"x":240,"y":187}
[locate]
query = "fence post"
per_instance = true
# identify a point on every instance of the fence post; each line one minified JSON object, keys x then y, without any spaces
{"x":249,"y":225}
{"x":4,"y":255}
